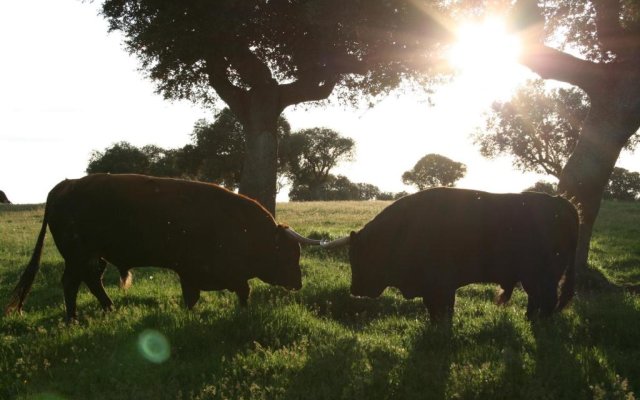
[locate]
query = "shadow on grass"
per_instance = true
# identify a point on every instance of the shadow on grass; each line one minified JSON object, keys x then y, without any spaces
{"x":339,"y":305}
{"x":106,"y":359}
{"x":612,"y":330}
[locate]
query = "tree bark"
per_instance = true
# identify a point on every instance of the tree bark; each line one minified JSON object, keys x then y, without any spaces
{"x":613,"y":118}
{"x":260,"y":122}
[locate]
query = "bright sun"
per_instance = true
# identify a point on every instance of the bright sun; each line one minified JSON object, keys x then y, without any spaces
{"x":485,"y":57}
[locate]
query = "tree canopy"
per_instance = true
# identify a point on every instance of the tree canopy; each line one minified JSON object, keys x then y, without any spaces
{"x":434,"y":170}
{"x":623,"y":185}
{"x":312,"y":153}
{"x":337,"y":188}
{"x":538,"y":127}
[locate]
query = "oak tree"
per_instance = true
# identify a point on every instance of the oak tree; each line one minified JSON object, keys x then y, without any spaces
{"x":261,"y":57}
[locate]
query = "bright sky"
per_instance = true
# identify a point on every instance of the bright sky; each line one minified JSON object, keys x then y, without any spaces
{"x":67,"y":88}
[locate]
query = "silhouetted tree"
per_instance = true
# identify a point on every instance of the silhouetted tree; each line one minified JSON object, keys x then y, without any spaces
{"x":311,"y":154}
{"x":623,"y":185}
{"x":120,"y":158}
{"x":334,"y":188}
{"x":260,"y":57}
{"x":434,"y":170}
{"x":538,"y":128}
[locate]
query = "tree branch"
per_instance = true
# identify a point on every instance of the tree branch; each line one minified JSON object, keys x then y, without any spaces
{"x":306,"y":88}
{"x":216,"y":67}
{"x":550,"y":63}
{"x":610,"y":33}
{"x":252,"y":70}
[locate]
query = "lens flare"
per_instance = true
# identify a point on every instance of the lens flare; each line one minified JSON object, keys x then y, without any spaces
{"x":154,"y":346}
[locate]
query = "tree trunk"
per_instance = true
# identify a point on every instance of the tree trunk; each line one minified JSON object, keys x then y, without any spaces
{"x":260,"y":121}
{"x":612,"y":120}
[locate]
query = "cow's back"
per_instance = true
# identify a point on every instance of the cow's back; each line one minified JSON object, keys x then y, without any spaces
{"x":464,"y":236}
{"x":145,"y":221}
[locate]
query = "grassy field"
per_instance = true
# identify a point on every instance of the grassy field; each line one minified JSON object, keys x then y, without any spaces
{"x":317,"y":343}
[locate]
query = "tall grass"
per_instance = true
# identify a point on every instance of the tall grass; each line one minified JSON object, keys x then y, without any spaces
{"x":319,"y":342}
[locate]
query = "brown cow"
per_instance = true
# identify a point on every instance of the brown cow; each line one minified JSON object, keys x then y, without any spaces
{"x":3,"y":198}
{"x":212,"y":238}
{"x":431,"y":243}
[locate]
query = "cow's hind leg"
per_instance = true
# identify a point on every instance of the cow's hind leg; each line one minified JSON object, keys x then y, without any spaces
{"x":93,"y":279}
{"x":506,"y":290}
{"x":190,"y":293}
{"x":242,"y":291}
{"x":542,"y":297}
{"x":125,"y":278}
{"x":71,"y":279}
{"x":548,"y":296}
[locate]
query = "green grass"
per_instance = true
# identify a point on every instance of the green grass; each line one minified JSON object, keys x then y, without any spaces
{"x":317,"y":343}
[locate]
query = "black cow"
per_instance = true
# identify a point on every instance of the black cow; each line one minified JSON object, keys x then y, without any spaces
{"x":431,"y":243}
{"x":3,"y":198}
{"x":212,"y":238}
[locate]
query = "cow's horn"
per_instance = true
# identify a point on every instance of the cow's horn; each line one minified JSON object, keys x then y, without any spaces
{"x":301,"y":239}
{"x":343,"y":241}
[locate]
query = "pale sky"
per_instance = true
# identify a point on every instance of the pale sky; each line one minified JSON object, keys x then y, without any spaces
{"x":67,"y":87}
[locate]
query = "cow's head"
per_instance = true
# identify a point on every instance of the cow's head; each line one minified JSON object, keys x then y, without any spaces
{"x":366,"y":278}
{"x":286,"y":269}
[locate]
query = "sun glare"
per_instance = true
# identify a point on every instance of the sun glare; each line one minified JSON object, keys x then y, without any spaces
{"x":485,"y":46}
{"x":485,"y":59}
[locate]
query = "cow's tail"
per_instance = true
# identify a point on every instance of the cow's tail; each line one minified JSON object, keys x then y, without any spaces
{"x":568,"y":282}
{"x":23,"y":287}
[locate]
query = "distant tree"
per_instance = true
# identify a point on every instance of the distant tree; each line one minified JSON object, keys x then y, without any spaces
{"x":164,"y":162}
{"x":400,"y":195}
{"x":623,"y":185}
{"x":385,"y":196}
{"x":335,"y":188}
{"x":543,"y":187}
{"x":120,"y":158}
{"x":434,"y":170}
{"x":219,"y":149}
{"x":539,"y":128}
{"x":311,"y":154}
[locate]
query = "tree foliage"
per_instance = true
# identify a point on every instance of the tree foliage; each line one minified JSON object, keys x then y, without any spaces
{"x":434,"y":170}
{"x":120,"y":158}
{"x":192,"y":47}
{"x":311,"y":154}
{"x":624,"y":185}
{"x":538,"y":127}
{"x":335,"y":188}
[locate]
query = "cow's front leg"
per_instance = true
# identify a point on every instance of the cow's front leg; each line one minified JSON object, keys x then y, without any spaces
{"x":190,"y":293}
{"x":439,"y":303}
{"x":242,"y":290}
